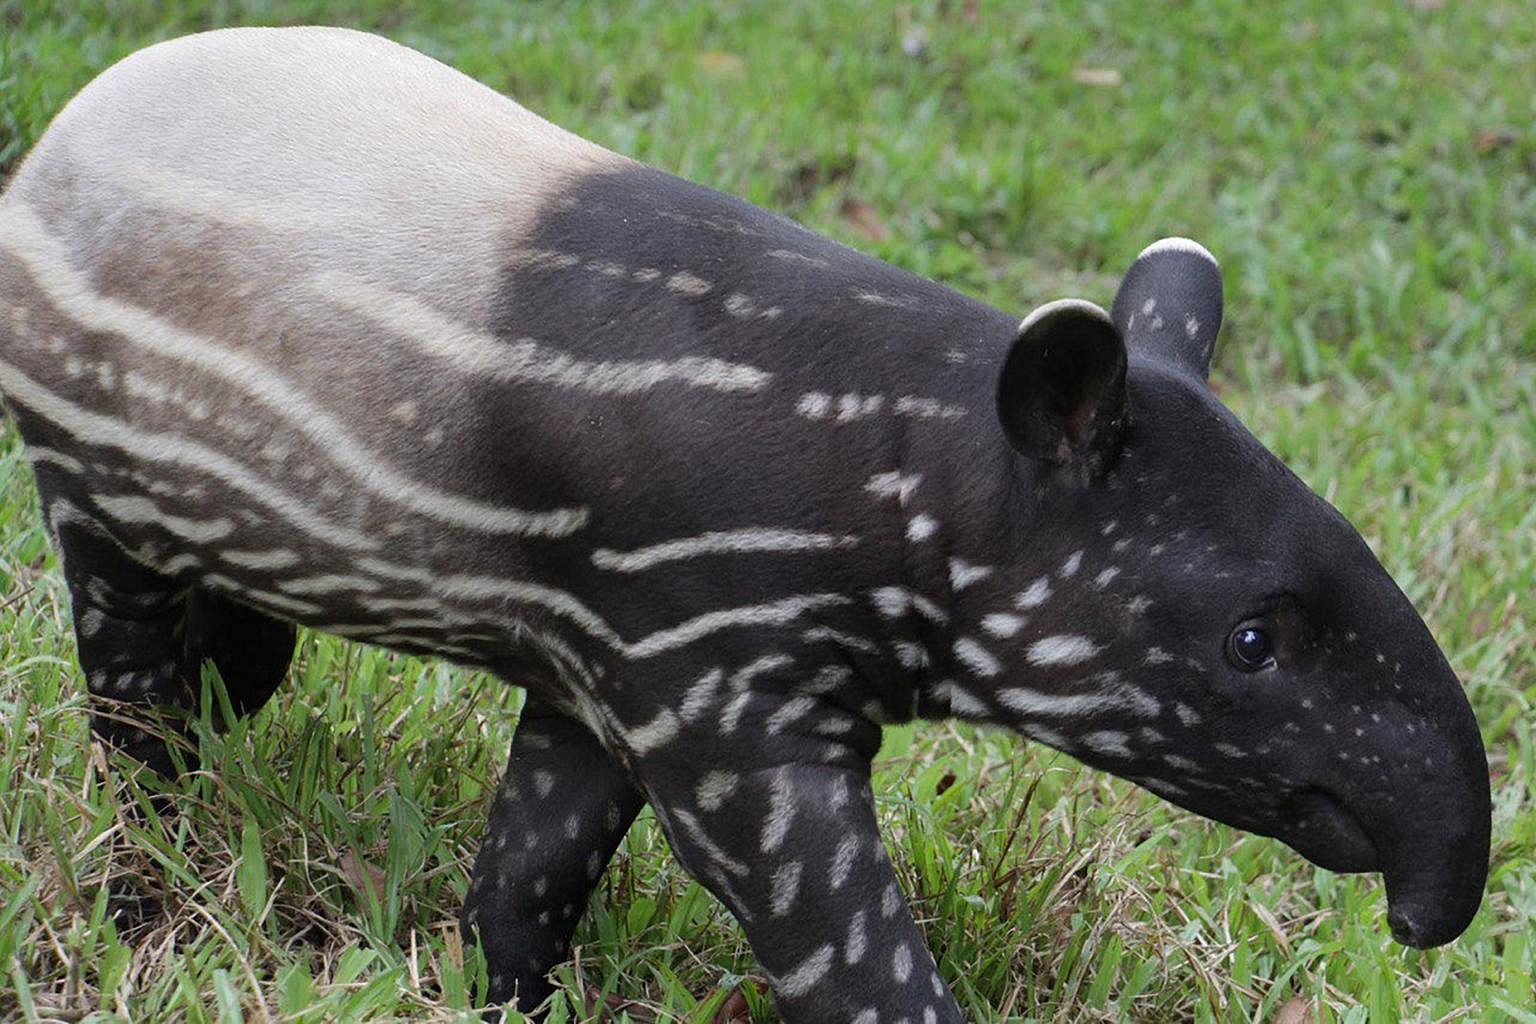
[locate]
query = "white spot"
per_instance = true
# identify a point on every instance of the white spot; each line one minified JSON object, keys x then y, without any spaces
{"x":1156,"y":656}
{"x":781,"y":812}
{"x":715,"y":788}
{"x":960,"y":701}
{"x":785,"y":887}
{"x":1108,"y":741}
{"x":1002,"y":625}
{"x":976,"y":657}
{"x":804,"y":978}
{"x":1038,"y":593}
{"x":1071,"y":565}
{"x":1229,"y":750}
{"x":901,"y":964}
{"x":1066,"y":649}
{"x":792,"y":711}
{"x":890,"y":901}
{"x":685,"y":283}
{"x":404,"y":412}
{"x":893,"y":485}
{"x":842,"y":861}
{"x":912,"y":656}
{"x":920,"y":527}
{"x":814,"y":405}
{"x":1183,"y":764}
{"x":1103,"y":579}
{"x":853,"y":950}
{"x":543,"y":781}
{"x":963,"y":574}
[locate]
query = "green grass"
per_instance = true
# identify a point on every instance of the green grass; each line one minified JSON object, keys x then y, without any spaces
{"x":1366,"y":172}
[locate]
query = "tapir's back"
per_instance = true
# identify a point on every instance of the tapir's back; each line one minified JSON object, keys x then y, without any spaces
{"x":291,"y":300}
{"x":354,"y":152}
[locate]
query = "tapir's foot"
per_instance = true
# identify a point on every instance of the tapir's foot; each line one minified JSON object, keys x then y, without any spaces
{"x":563,"y":807}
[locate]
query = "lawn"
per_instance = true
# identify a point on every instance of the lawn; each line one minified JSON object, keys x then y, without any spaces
{"x":1367,"y":174}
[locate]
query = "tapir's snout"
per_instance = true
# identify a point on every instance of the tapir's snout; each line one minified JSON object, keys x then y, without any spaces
{"x":1416,"y":806}
{"x":1434,"y":853}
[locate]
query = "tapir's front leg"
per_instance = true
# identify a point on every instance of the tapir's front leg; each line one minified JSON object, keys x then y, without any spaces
{"x":796,"y":854}
{"x":563,"y":807}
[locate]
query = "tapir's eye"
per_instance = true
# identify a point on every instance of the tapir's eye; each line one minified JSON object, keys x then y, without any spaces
{"x":1249,"y":648}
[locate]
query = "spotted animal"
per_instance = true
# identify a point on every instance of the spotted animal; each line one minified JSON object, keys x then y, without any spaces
{"x":300,"y":326}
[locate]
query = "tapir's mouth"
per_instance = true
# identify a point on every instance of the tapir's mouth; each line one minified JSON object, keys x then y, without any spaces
{"x":1326,"y":833}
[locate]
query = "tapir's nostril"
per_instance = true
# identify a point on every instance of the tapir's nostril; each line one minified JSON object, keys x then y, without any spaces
{"x":1405,"y":927}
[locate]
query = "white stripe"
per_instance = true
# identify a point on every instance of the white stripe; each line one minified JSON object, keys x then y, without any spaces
{"x":146,"y":447}
{"x":71,"y":292}
{"x":484,"y":355}
{"x":37,"y":453}
{"x":277,"y":558}
{"x":718,"y":542}
{"x":285,"y":604}
{"x":1175,"y":243}
{"x":328,"y":584}
{"x":135,"y":509}
{"x":1082,"y":306}
{"x":773,"y":613}
{"x":657,"y":732}
{"x":837,"y":636}
{"x":700,"y":695}
{"x":1113,"y":696}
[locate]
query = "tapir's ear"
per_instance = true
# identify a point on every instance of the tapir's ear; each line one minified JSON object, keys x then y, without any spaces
{"x":1061,"y":395}
{"x":1169,"y":305}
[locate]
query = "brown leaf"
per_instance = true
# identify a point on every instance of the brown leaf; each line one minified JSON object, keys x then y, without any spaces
{"x":362,"y":876}
{"x":1486,"y":141}
{"x":719,"y":62}
{"x":1108,"y":78}
{"x":864,"y":220}
{"x":610,"y":1007}
{"x":1296,"y":1010}
{"x":971,"y":11}
{"x":733,"y":1009}
{"x":947,"y":780}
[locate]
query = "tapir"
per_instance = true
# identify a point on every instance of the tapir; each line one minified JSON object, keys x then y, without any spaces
{"x":301,"y":327}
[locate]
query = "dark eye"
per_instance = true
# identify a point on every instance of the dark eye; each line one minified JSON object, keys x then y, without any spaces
{"x":1249,"y":648}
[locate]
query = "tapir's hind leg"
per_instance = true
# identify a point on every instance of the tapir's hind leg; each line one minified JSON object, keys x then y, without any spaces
{"x":129,"y":624}
{"x":251,"y":649}
{"x":563,"y":807}
{"x":143,"y":637}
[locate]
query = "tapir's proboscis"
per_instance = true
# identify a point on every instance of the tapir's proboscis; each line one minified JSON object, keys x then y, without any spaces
{"x":302,"y":327}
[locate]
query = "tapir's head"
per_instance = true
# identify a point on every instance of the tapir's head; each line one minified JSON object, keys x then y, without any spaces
{"x":1214,"y":630}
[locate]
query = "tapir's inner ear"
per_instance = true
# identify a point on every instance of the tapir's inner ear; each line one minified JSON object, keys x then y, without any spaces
{"x":1061,"y":394}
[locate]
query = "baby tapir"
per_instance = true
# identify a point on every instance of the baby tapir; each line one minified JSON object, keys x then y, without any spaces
{"x":300,"y":326}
